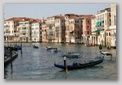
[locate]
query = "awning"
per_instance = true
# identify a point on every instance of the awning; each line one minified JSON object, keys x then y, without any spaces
{"x":99,"y":23}
{"x":99,"y":30}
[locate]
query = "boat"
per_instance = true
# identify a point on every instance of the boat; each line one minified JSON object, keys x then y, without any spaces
{"x":14,"y":48}
{"x":80,"y":65}
{"x":34,"y":46}
{"x":106,"y":53}
{"x":8,"y":59}
{"x":18,"y":47}
{"x":51,"y":48}
{"x":71,"y":55}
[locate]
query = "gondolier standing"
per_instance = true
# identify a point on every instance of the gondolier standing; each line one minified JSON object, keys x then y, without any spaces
{"x":65,"y":65}
{"x":100,"y":47}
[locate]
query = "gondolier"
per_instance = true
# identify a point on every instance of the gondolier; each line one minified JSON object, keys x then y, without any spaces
{"x":100,"y":47}
{"x":65,"y":64}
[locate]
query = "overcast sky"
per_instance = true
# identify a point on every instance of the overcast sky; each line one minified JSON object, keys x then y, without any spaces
{"x":46,"y":10}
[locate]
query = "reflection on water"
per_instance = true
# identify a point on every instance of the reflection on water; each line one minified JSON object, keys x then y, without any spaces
{"x":39,"y":63}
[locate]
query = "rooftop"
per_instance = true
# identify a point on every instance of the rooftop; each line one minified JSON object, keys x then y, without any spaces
{"x":19,"y":19}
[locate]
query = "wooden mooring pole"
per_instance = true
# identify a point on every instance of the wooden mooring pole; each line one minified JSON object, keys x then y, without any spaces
{"x":21,"y":47}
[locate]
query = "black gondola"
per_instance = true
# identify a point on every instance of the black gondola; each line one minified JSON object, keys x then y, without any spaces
{"x":14,"y":48}
{"x":79,"y":65}
{"x":9,"y":59}
{"x":51,"y":48}
{"x":18,"y":47}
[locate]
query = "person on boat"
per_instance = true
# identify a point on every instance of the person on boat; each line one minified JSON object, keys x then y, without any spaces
{"x":100,"y":47}
{"x":75,"y":64}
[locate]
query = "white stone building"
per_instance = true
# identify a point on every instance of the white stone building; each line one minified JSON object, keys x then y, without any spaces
{"x":93,"y":37}
{"x":102,"y":24}
{"x":25,"y":31}
{"x":36,"y":31}
{"x":54,"y":29}
{"x":9,"y":30}
{"x":45,"y":29}
{"x":59,"y":29}
{"x":111,"y":32}
{"x":73,"y":32}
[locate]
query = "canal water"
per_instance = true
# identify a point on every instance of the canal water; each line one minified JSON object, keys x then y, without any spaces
{"x":38,"y":63}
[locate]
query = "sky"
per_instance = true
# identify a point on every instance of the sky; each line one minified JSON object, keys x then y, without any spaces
{"x":46,"y":10}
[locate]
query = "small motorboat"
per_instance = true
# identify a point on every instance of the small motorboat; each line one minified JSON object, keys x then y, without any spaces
{"x":80,"y":65}
{"x":106,"y":53}
{"x":34,"y":46}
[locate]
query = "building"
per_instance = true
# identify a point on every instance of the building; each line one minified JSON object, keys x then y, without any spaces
{"x":45,"y":29}
{"x":103,"y":22}
{"x":59,"y":29}
{"x":111,"y":32}
{"x":94,"y":34}
{"x":36,"y":31}
{"x":24,"y":28}
{"x":50,"y":24}
{"x":11,"y":31}
{"x":73,"y":32}
{"x":86,"y":28}
{"x":54,"y":29}
{"x":17,"y":29}
{"x":25,"y":31}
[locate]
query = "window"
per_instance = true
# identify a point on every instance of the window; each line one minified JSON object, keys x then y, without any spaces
{"x":87,"y":27}
{"x":24,"y":28}
{"x":77,"y":21}
{"x":23,"y":33}
{"x":103,"y":23}
{"x":109,"y":34}
{"x":88,"y":22}
{"x":87,"y":32}
{"x":109,"y":21}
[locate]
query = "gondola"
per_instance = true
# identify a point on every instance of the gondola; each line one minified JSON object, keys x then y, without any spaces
{"x":18,"y":47}
{"x":79,"y":65}
{"x":14,"y":48}
{"x":51,"y":48}
{"x":9,"y":59}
